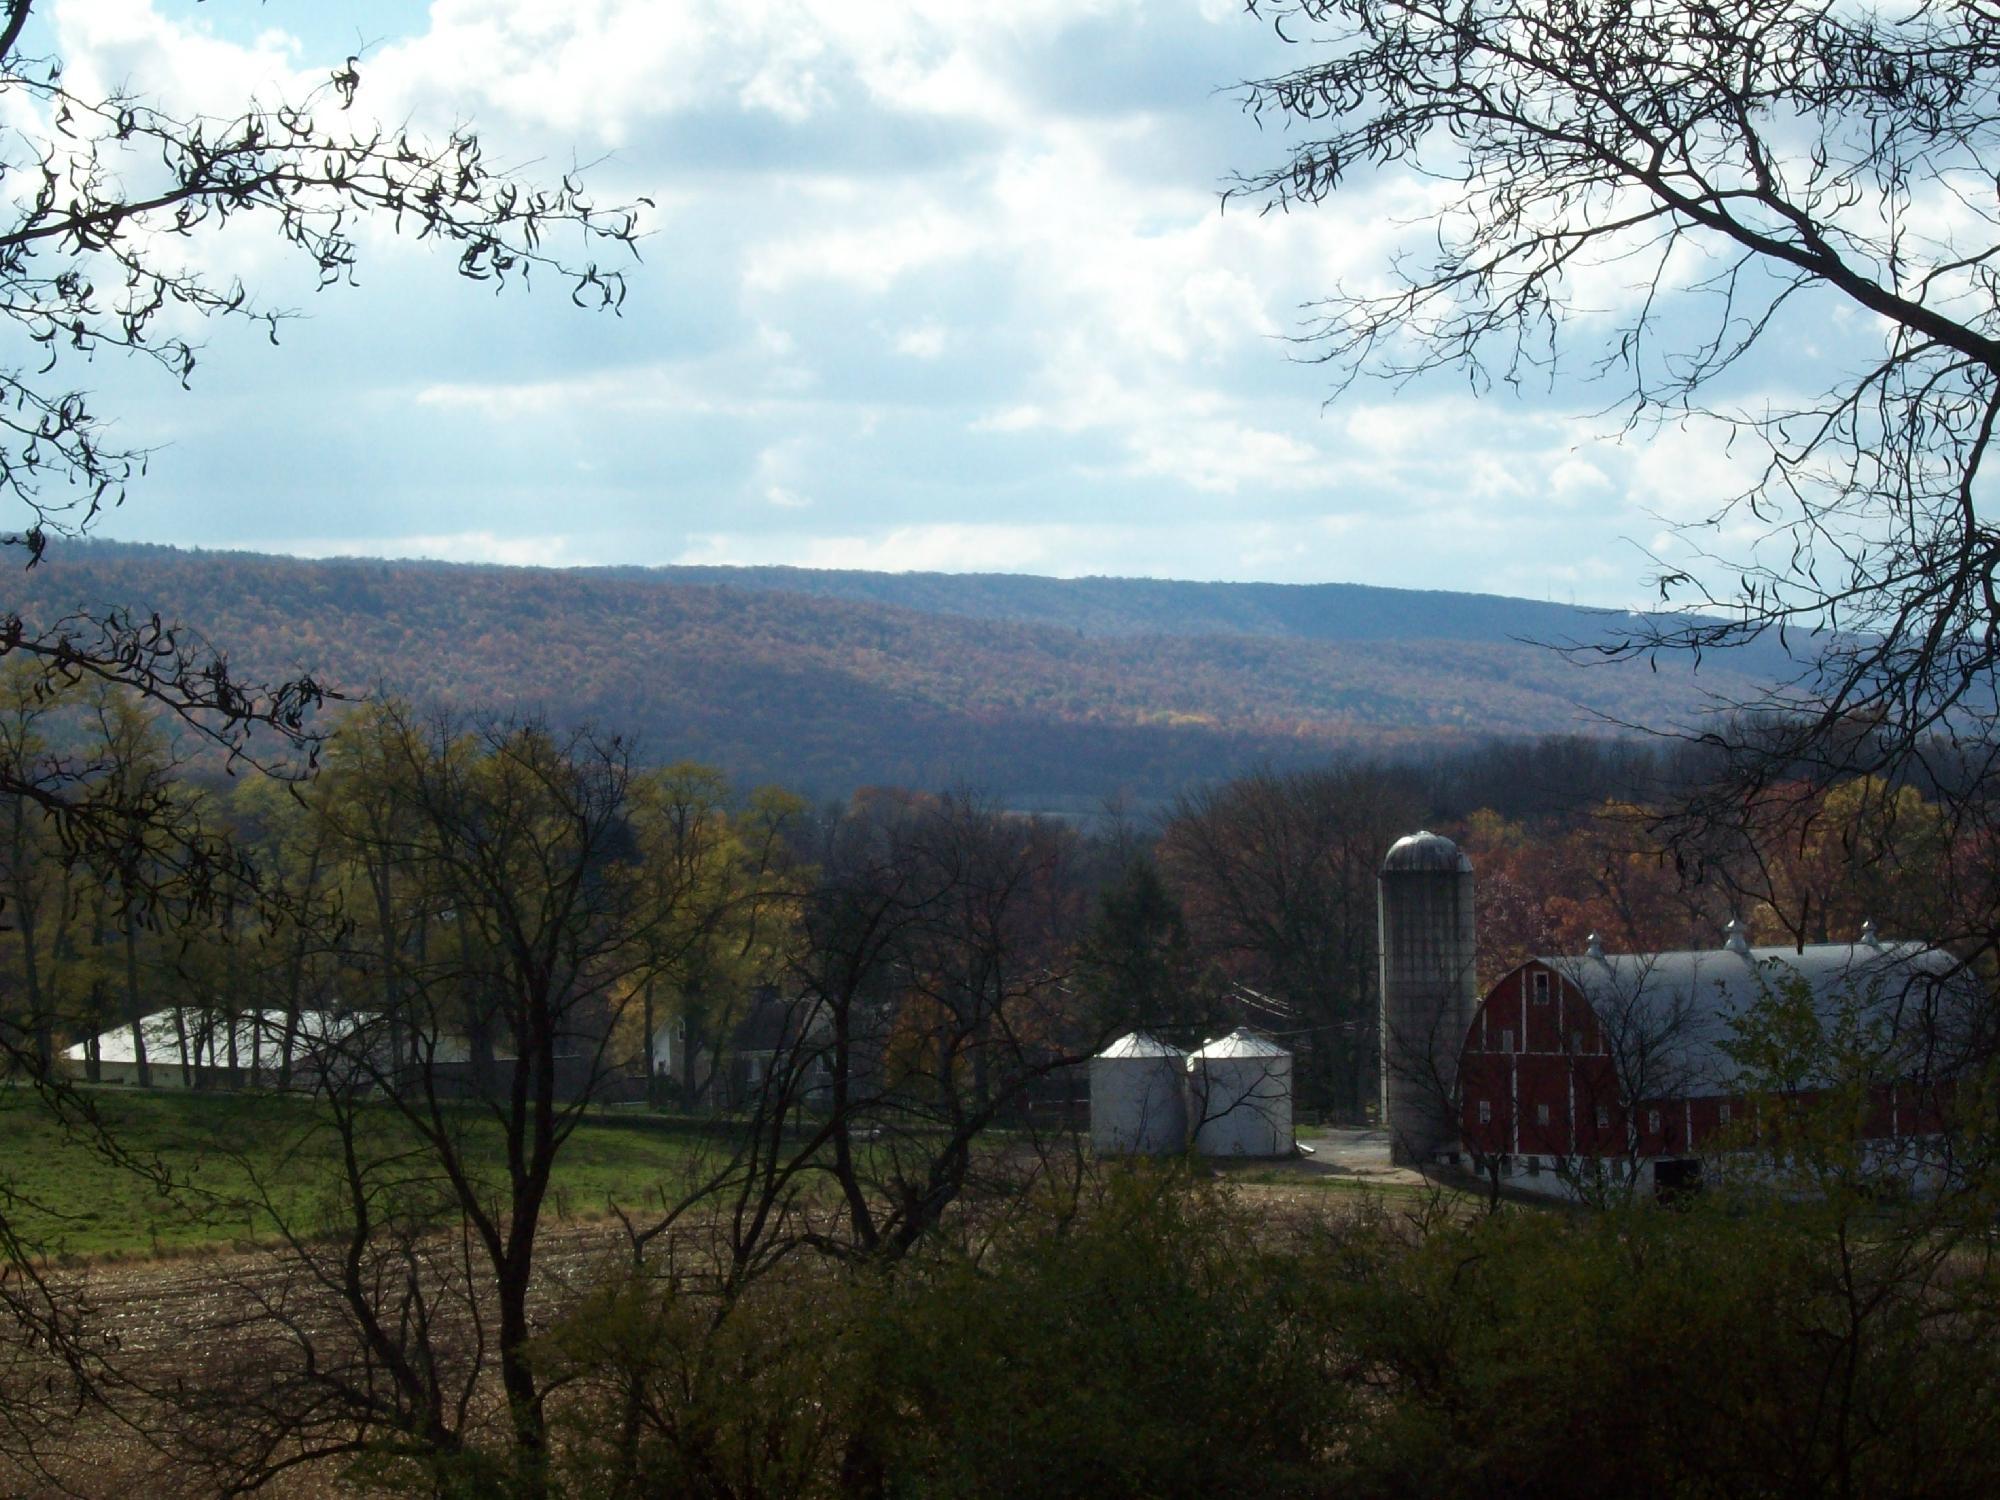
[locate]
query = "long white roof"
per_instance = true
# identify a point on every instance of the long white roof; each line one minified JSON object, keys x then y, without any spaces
{"x":208,"y":1031}
{"x":1684,"y":1005}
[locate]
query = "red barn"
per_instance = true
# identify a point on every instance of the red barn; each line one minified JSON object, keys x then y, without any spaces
{"x":1623,"y":1064}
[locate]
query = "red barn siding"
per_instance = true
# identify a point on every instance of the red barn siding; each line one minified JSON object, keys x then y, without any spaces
{"x":1549,"y":1088}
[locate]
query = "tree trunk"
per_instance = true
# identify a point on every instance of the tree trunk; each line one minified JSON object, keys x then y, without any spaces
{"x":517,"y":1378}
{"x":132,"y":1012}
{"x":385,"y":940}
{"x":232,"y":982}
{"x":652,"y":1085}
{"x":181,"y":1041}
{"x":25,"y":904}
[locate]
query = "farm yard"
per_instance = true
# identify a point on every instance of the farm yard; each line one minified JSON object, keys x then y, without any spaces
{"x":1345,"y":1337}
{"x":182,"y":1282}
{"x":201,"y":1170}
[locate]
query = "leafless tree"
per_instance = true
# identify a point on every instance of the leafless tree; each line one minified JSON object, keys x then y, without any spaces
{"x":407,"y":1289}
{"x":1642,"y":1046}
{"x":928,"y":1006}
{"x":101,"y":187}
{"x":1277,"y":875}
{"x":1748,"y":169}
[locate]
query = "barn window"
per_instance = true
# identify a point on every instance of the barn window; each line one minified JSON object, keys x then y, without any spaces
{"x":1506,"y":1039}
{"x":1576,"y":1041}
{"x":1603,"y":1118}
{"x":1541,"y":989}
{"x":1485,"y":1112}
{"x":1653,"y":1121}
{"x":1541,"y":1114}
{"x":1722,"y":1113}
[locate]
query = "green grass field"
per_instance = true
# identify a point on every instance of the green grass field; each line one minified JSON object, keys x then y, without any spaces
{"x":61,"y":1194}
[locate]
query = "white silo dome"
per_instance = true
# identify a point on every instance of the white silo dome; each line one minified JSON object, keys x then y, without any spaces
{"x":1240,"y":1096}
{"x":1137,"y":1103}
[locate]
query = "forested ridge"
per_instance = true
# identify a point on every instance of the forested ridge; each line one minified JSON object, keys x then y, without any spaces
{"x":1049,"y":692}
{"x":1185,"y":607}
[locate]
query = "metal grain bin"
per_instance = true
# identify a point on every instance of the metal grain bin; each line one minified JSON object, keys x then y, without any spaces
{"x":1240,"y":1096}
{"x":1138,"y":1106}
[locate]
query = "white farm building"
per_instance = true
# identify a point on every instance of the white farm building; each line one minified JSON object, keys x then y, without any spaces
{"x":192,"y":1047}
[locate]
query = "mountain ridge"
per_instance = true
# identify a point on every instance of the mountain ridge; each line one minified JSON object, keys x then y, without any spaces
{"x":1092,"y":602}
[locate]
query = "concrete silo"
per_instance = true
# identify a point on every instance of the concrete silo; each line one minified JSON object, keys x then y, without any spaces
{"x":1138,"y":1101}
{"x":1429,"y":990}
{"x":1240,"y":1096}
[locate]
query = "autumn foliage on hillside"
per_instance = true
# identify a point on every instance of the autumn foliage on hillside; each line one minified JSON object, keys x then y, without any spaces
{"x":828,"y":693}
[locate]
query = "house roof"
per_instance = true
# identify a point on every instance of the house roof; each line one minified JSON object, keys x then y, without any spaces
{"x":1684,"y":1006}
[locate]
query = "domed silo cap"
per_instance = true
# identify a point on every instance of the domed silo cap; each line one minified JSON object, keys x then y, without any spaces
{"x":1425,"y":853}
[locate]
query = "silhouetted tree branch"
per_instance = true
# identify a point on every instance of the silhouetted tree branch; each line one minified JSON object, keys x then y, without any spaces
{"x":101,"y":191}
{"x":1742,"y":172}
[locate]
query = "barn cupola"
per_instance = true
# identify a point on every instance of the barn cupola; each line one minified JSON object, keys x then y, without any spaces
{"x":1733,"y":937}
{"x":1429,"y":990}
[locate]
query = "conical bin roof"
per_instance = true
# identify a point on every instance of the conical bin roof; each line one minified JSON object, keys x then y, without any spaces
{"x":1242,"y":1042}
{"x":1141,"y":1044}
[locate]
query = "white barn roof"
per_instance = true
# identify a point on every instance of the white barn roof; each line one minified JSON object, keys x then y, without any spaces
{"x":1685,"y":1003}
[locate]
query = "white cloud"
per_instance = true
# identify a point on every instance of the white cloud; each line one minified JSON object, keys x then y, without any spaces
{"x":1689,"y":472}
{"x":459,"y":546}
{"x":1576,"y":478}
{"x":903,"y":307}
{"x":950,"y":547}
{"x":1059,"y":549}
{"x":872,"y":256}
{"x":925,"y":341}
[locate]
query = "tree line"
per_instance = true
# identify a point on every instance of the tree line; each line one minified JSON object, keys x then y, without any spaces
{"x":391,"y":883}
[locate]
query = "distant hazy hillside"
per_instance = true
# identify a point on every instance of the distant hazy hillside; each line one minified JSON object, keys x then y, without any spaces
{"x":1046,"y":692}
{"x":1155,"y":606}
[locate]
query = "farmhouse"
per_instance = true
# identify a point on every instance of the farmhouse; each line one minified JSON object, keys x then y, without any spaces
{"x":775,"y":1035}
{"x":1632,"y":1066}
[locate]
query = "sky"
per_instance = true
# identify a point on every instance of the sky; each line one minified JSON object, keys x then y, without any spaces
{"x":929,"y":285}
